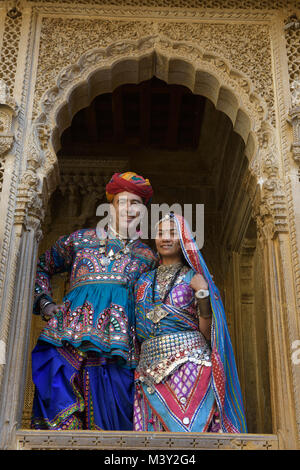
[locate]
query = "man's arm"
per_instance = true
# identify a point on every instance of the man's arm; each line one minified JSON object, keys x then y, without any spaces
{"x":56,"y":260}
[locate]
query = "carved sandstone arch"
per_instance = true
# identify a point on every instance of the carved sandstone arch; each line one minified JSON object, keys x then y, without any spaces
{"x":102,"y":70}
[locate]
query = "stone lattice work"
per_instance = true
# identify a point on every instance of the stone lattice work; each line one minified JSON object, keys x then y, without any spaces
{"x":292,"y":35}
{"x":246,"y":47}
{"x":9,"y":52}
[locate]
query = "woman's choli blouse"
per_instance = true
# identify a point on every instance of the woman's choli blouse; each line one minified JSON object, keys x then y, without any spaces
{"x":180,"y":305}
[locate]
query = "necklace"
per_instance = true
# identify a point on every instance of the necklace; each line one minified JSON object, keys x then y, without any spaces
{"x":156,"y":314}
{"x":109,"y":257}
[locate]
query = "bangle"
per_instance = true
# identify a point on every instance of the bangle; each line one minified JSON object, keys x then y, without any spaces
{"x":206,"y":317}
{"x":44,"y":304}
{"x":44,"y":316}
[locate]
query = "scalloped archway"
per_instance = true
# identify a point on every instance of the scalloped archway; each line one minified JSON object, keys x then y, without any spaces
{"x":102,"y":70}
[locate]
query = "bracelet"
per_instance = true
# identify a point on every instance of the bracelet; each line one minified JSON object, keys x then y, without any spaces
{"x":43,"y":304}
{"x":200,"y":299}
{"x":206,"y":317}
{"x":47,"y":302}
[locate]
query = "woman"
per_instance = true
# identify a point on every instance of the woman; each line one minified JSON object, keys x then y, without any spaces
{"x":186,"y":379}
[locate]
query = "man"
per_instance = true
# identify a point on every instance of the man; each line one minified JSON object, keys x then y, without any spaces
{"x":83,"y":363}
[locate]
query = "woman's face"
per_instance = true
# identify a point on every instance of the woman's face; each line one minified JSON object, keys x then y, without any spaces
{"x":167,"y":240}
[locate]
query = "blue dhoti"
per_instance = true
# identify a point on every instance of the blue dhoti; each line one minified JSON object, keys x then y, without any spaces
{"x":80,"y":390}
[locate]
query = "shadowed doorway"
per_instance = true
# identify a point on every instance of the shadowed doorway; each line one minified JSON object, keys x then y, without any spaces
{"x":191,"y":154}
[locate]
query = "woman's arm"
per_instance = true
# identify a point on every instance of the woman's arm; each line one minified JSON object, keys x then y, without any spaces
{"x":205,"y":317}
{"x":203,"y":306}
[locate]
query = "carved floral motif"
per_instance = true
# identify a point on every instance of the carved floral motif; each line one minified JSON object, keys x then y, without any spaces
{"x":246,"y":47}
{"x":168,"y":46}
{"x":292,"y":34}
{"x":8,"y":110}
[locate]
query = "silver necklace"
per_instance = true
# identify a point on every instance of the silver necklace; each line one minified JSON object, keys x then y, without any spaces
{"x":109,"y":257}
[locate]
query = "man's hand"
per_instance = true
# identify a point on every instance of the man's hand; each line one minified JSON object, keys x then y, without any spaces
{"x":50,"y":310}
{"x":198,"y":282}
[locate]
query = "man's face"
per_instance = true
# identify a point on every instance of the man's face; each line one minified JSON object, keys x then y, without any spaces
{"x":127,"y":209}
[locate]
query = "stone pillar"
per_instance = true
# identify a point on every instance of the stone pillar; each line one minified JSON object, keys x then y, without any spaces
{"x":12,"y":392}
{"x":18,"y":296}
{"x":279,"y":287}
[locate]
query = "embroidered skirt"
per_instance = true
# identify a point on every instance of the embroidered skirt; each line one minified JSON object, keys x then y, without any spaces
{"x":173,"y":385}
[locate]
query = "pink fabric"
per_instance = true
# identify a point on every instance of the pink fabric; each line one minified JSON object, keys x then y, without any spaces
{"x":181,"y":392}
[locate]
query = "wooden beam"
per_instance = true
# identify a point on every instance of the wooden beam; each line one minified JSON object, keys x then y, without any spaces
{"x":171,"y":141}
{"x":198,"y":119}
{"x":118,"y":119}
{"x":145,"y":112}
{"x":91,"y":122}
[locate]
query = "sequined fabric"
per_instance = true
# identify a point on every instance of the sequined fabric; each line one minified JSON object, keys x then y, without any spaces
{"x":173,"y":377}
{"x":97,"y":313}
{"x":162,"y":355}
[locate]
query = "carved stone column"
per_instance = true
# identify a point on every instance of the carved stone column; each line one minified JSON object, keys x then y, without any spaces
{"x":274,"y":246}
{"x":17,"y":304}
{"x":292,"y":34}
{"x":26,"y":235}
{"x":12,"y":391}
{"x":8,"y":113}
{"x":8,"y":110}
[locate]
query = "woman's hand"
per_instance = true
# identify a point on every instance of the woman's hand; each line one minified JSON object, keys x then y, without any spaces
{"x":198,"y":282}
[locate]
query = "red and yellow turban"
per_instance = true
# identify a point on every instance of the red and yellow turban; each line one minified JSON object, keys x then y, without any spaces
{"x":130,"y":182}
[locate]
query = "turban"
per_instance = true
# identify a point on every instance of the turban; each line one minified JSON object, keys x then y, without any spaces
{"x":130,"y":182}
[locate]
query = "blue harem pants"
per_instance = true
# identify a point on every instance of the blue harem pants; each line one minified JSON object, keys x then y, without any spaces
{"x":80,"y":390}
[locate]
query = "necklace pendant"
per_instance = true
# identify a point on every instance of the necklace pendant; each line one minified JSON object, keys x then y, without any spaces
{"x":105,"y":261}
{"x":156,"y":314}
